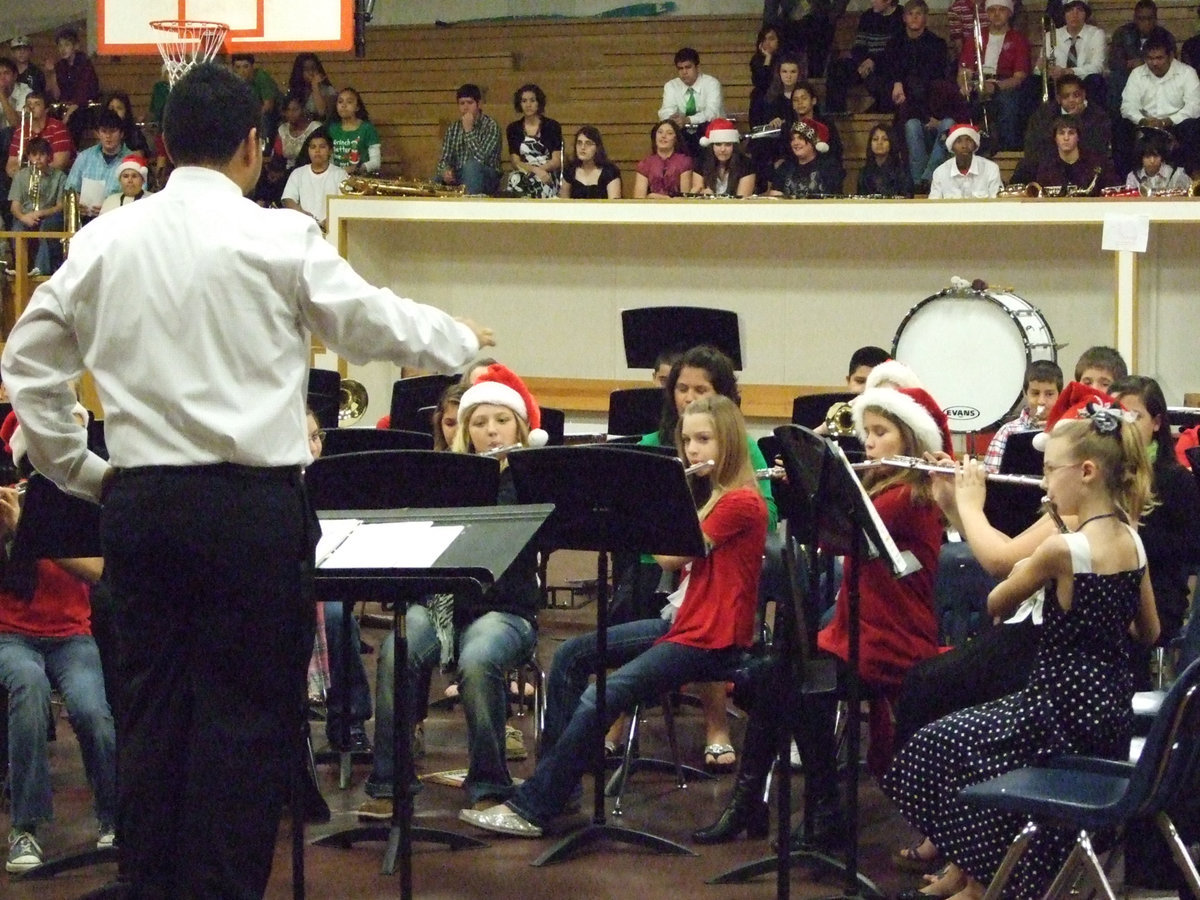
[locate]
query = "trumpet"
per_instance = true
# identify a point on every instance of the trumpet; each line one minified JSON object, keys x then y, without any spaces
{"x":912,"y":462}
{"x":839,"y":421}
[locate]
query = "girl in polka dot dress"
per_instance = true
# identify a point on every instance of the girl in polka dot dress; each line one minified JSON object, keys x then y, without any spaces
{"x":1078,"y":699}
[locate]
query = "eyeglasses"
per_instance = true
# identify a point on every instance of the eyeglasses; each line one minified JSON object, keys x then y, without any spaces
{"x":317,"y":435}
{"x":1048,"y":470}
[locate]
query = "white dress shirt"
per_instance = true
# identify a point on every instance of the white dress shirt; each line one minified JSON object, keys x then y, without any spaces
{"x":1175,"y":96}
{"x":311,"y":191}
{"x":709,"y":102}
{"x":194,"y":310}
{"x":1091,"y":50}
{"x":981,"y":180}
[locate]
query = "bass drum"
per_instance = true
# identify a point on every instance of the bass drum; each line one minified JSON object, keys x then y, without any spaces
{"x":970,"y":349}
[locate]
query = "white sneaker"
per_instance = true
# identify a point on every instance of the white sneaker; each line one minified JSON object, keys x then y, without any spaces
{"x":501,"y":820}
{"x":107,"y":839}
{"x":24,"y":853}
{"x":35,"y":272}
{"x":796,"y":762}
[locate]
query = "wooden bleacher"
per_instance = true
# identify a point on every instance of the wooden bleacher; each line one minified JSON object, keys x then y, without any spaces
{"x":603,"y":72}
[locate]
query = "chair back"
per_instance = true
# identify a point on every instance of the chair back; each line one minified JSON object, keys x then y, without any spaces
{"x":396,"y":479}
{"x":634,"y":410}
{"x":410,"y":395}
{"x":1171,"y":747}
{"x":809,"y":409}
{"x":339,"y":441}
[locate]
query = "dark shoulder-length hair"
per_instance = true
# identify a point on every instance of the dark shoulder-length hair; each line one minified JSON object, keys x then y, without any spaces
{"x":296,"y":83}
{"x":530,"y":88}
{"x":719,"y":369}
{"x":679,"y":145}
{"x":1151,"y":394}
{"x":361,"y":112}
{"x":893,"y":157}
{"x":592,"y":133}
{"x":739,"y":166}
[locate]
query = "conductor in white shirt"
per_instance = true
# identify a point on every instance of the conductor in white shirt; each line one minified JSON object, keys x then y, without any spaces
{"x":691,"y":100}
{"x":194,"y":311}
{"x":1163,"y":94}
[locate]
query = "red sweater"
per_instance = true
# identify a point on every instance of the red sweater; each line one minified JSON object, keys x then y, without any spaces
{"x":61,"y":606}
{"x":722,"y":591}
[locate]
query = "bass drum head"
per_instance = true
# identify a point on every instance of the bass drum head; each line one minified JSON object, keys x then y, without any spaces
{"x":970,"y":349}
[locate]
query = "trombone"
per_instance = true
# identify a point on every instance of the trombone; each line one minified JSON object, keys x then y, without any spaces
{"x":1049,"y":44}
{"x":976,"y":91}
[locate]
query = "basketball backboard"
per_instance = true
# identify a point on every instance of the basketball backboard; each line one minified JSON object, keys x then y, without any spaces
{"x":255,"y":26}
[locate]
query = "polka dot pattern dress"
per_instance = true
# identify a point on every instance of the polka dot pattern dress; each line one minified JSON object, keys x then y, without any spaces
{"x":1078,"y":700}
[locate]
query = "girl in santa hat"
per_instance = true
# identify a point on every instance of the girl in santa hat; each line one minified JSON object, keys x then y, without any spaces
{"x":725,"y":171}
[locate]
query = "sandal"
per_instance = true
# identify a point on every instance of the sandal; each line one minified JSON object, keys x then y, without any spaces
{"x":909,"y":859}
{"x":715,"y":761}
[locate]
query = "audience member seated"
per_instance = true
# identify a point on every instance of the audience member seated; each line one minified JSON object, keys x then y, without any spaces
{"x":471,"y":148}
{"x":309,"y":82}
{"x":74,"y":84}
{"x":40,"y":124}
{"x":809,"y":169}
{"x":960,"y":23}
{"x":308,"y":187}
{"x":764,"y":65}
{"x":94,"y":173}
{"x":1163,"y":95}
{"x":43,"y":212}
{"x":266,"y":91}
{"x":1080,"y":49}
{"x":293,"y":132}
{"x":724,"y":170}
{"x":877,"y":26}
{"x":691,"y":100}
{"x":806,"y":27}
{"x":484,"y":642}
{"x":535,"y":146}
{"x":45,"y":644}
{"x":131,"y":173}
{"x":1156,"y":174}
{"x":590,"y":176}
{"x":356,"y":146}
{"x":1071,"y":99}
{"x":804,"y":106}
{"x":1074,"y":165}
{"x":884,"y":172}
{"x":773,"y":111}
{"x":131,"y":132}
{"x":28,"y":74}
{"x":1043,"y":382}
{"x":1128,"y":48}
{"x":1005,"y":67}
{"x":12,"y":98}
{"x":666,"y":171}
{"x":1189,"y":50}
{"x":965,"y":175}
{"x":915,"y":65}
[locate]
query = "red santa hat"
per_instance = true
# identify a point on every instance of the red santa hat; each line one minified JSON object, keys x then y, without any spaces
{"x":915,"y":408}
{"x":816,"y":133}
{"x":133,"y":163}
{"x":1078,"y":401}
{"x":964,"y":127}
{"x":720,"y":131}
{"x":500,"y":386}
{"x":892,"y":373}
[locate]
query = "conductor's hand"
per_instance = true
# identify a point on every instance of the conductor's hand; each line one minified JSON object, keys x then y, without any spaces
{"x":485,"y":336}
{"x":10,"y":510}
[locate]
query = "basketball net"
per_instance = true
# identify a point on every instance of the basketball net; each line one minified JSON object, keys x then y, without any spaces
{"x":183,"y":43}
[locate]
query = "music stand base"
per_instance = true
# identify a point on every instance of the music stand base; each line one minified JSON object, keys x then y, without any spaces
{"x":67,"y":863}
{"x":810,"y":858}
{"x":649,"y":764}
{"x":592,"y":833}
{"x":390,"y":834}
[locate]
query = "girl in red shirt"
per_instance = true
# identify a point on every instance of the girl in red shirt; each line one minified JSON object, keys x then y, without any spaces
{"x":708,"y":638}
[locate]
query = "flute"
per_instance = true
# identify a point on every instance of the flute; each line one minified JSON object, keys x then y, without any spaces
{"x":912,"y":462}
{"x":774,"y":473}
{"x":500,"y":451}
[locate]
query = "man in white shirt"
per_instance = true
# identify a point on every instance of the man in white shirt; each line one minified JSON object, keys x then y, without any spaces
{"x":1080,"y":49}
{"x":691,"y":100}
{"x":195,"y":310}
{"x":308,"y":187}
{"x":966,"y":175}
{"x":1162,"y":95}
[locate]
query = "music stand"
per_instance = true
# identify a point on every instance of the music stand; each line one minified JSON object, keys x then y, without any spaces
{"x":847,"y":522}
{"x":324,"y":396}
{"x":608,"y":499}
{"x":634,"y":411}
{"x":809,"y":409}
{"x":478,"y":556}
{"x":652,"y":330}
{"x":1012,"y":508}
{"x":411,"y":395}
{"x":339,"y":441}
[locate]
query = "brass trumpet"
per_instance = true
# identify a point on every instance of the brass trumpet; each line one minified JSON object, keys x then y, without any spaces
{"x":839,"y":421}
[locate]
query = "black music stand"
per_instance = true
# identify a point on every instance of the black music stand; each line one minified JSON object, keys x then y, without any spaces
{"x":809,"y":409}
{"x":609,"y":499}
{"x":846,"y":522}
{"x":324,"y":396}
{"x":634,"y":411}
{"x":339,"y":441}
{"x":651,"y":330}
{"x":1012,"y":508}
{"x":411,"y":395}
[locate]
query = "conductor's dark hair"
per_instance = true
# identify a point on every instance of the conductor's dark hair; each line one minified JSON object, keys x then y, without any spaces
{"x":210,"y":111}
{"x":867,"y":356}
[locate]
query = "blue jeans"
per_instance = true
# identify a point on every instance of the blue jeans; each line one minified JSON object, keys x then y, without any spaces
{"x":575,"y":661}
{"x":1007,"y":108}
{"x":48,"y":255}
{"x":659,"y":669}
{"x":356,"y":672}
{"x":29,"y":667}
{"x":922,"y":162}
{"x":487,"y":649}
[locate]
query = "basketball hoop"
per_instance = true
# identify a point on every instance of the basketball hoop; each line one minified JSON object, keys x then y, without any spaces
{"x":183,"y":43}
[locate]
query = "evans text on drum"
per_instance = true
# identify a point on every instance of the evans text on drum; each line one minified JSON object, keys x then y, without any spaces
{"x":970,"y":349}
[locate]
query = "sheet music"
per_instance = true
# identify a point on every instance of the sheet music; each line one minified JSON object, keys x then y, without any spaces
{"x":902,"y":563}
{"x":333,"y":532}
{"x":92,"y":192}
{"x":400,"y":545}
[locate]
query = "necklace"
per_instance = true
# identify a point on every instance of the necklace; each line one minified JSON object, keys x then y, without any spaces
{"x":1094,"y":518}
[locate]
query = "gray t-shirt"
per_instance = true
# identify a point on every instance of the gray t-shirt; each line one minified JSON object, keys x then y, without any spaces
{"x":49,"y":190}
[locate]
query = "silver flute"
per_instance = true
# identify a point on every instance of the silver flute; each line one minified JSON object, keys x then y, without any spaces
{"x":912,"y":462}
